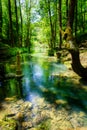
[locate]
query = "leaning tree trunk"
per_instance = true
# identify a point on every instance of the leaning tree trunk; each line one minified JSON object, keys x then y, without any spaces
{"x":72,"y":45}
{"x":76,"y":64}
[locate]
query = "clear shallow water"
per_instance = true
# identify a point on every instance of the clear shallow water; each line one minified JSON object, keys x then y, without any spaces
{"x":56,"y":100}
{"x":42,"y":79}
{"x":38,"y":76}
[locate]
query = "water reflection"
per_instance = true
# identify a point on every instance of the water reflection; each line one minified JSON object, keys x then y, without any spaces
{"x":37,"y":76}
{"x":42,"y":78}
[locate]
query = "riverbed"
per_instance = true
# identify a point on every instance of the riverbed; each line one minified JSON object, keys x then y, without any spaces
{"x":46,"y":97}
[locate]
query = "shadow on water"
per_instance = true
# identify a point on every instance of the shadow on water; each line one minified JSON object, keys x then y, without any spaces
{"x":43,"y":77}
{"x":66,"y":92}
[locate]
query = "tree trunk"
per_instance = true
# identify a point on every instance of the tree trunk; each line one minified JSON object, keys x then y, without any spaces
{"x":76,"y":14}
{"x":28,"y":12}
{"x":10,"y":24}
{"x":21,"y":24}
{"x":60,"y":23}
{"x":76,"y":64}
{"x":0,"y":19}
{"x":71,"y":13}
{"x":72,"y":46}
{"x":17,"y":27}
{"x":51,"y":24}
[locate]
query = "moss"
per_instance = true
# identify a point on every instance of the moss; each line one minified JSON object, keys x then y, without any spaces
{"x":8,"y":99}
{"x":8,"y":124}
{"x":45,"y":125}
{"x":70,"y":41}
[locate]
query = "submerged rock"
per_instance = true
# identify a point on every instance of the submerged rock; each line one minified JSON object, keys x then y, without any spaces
{"x":43,"y":116}
{"x":61,"y":102}
{"x":27,"y":125}
{"x":8,"y":125}
{"x":8,"y":99}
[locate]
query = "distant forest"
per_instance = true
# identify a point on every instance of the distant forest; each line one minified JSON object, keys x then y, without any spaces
{"x":24,"y":23}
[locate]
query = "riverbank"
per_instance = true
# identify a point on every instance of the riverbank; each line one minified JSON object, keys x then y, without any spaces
{"x":7,"y":52}
{"x":23,"y":115}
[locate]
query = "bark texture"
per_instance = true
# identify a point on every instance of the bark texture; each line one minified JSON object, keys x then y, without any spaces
{"x":76,"y":64}
{"x":71,"y":43}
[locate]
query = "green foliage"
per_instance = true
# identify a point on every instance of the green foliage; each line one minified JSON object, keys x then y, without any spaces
{"x":40,"y":21}
{"x":8,"y":124}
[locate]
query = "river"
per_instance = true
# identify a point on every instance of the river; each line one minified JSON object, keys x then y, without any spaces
{"x":40,"y":74}
{"x":57,"y":101}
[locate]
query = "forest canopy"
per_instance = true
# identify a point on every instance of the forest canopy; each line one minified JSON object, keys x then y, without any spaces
{"x":25,"y":22}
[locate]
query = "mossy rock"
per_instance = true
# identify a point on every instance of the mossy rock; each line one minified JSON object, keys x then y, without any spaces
{"x":8,"y":124}
{"x":45,"y":125}
{"x":9,"y":99}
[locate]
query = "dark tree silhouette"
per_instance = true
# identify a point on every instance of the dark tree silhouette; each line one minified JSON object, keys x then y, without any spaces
{"x":60,"y":22}
{"x":17,"y":25}
{"x":10,"y":24}
{"x":71,"y":43}
{"x":21,"y":24}
{"x":0,"y":19}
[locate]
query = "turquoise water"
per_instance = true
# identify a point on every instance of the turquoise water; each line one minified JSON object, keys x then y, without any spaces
{"x":42,"y":78}
{"x":38,"y":74}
